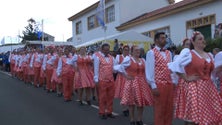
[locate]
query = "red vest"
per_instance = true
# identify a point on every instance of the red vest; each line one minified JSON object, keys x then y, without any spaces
{"x":199,"y":67}
{"x":162,"y":73}
{"x":105,"y":68}
{"x":66,"y":68}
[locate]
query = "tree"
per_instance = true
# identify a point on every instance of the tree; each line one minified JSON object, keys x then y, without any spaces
{"x":31,"y":31}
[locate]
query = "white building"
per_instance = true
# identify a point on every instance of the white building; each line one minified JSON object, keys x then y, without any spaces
{"x":179,"y":20}
{"x":147,"y":17}
{"x":10,"y":40}
{"x":85,"y":26}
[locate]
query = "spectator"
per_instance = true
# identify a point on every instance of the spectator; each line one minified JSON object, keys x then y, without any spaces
{"x":142,"y":53}
{"x":6,"y":62}
{"x":116,"y":45}
{"x":120,"y":50}
{"x":1,"y":60}
{"x":220,"y":29}
{"x":215,"y":51}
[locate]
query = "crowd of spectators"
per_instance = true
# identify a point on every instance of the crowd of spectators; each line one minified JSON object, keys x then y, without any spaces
{"x":4,"y":61}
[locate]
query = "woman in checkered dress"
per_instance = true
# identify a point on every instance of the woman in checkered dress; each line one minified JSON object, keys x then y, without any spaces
{"x":83,"y":79}
{"x":197,"y":101}
{"x":136,"y":92}
{"x":120,"y":79}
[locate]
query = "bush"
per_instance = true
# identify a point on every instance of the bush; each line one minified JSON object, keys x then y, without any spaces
{"x":213,"y":43}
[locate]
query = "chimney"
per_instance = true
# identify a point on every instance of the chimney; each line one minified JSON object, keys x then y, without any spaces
{"x":171,"y":1}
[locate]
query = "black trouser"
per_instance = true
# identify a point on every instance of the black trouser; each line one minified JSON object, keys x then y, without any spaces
{"x":7,"y":67}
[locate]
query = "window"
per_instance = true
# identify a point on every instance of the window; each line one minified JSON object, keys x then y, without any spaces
{"x":79,"y":27}
{"x":110,"y":14}
{"x":92,"y":22}
{"x":199,"y":22}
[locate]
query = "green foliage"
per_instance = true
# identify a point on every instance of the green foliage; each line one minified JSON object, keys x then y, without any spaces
{"x":30,"y":32}
{"x":213,"y":43}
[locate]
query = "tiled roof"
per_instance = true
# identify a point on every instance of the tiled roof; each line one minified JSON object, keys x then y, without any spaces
{"x":162,"y":10}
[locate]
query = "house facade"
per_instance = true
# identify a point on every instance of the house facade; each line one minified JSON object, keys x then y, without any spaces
{"x":179,"y":20}
{"x":147,"y":17}
{"x":85,"y":26}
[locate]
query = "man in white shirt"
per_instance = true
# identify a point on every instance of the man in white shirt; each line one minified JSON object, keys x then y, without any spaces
{"x":103,"y":77}
{"x":159,"y":77}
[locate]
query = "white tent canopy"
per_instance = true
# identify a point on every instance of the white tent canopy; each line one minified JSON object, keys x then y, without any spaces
{"x":129,"y":36}
{"x":49,"y":43}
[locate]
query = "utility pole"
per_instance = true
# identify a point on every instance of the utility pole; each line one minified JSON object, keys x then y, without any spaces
{"x":42,"y":30}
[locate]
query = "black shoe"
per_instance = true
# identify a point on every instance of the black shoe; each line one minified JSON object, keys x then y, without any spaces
{"x":126,"y":113}
{"x":132,"y":123}
{"x":80,"y":102}
{"x":59,"y":94}
{"x":94,"y":98}
{"x":88,"y":102}
{"x":110,"y":116}
{"x":67,"y":100}
{"x":53,"y":91}
{"x":103,"y":117}
{"x":139,"y":123}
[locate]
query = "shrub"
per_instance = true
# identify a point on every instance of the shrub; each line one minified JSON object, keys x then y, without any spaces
{"x":213,"y":43}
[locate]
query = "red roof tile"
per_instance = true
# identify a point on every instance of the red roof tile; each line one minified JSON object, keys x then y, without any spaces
{"x":161,"y":11}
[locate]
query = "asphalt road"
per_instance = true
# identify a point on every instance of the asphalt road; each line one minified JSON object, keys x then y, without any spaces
{"x":23,"y":104}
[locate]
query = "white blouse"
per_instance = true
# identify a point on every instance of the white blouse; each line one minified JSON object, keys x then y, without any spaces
{"x":126,"y":63}
{"x":218,"y":59}
{"x":183,"y":60}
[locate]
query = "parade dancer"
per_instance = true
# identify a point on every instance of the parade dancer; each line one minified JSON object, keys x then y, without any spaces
{"x":83,"y":80}
{"x":66,"y":71}
{"x":197,"y":102}
{"x":159,"y":77}
{"x":103,"y":78}
{"x":136,"y":92}
{"x":120,"y":79}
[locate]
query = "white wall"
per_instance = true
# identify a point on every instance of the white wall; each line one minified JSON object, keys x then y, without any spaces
{"x":177,"y":22}
{"x":130,"y":9}
{"x":98,"y":32}
{"x":9,"y":48}
{"x":123,"y":13}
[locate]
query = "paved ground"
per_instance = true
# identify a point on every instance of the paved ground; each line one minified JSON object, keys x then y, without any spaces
{"x":22,"y":104}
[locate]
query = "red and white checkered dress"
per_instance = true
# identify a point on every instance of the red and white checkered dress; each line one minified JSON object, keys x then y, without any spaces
{"x":55,"y":78}
{"x":120,"y":81}
{"x":198,"y":101}
{"x":137,"y":92}
{"x":83,"y":77}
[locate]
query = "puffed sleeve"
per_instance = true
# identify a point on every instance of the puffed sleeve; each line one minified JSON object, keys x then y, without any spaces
{"x":59,"y":67}
{"x":217,"y":72}
{"x":73,"y":60}
{"x":51,"y":60}
{"x":96,"y":69}
{"x":44,"y":62}
{"x":218,"y":60}
{"x":121,"y":67}
{"x":116,"y":62}
{"x":32,"y":60}
{"x":183,"y":59}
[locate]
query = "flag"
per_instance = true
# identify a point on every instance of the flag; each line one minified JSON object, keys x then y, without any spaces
{"x":39,"y":30}
{"x":39,"y":34}
{"x":100,"y":13}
